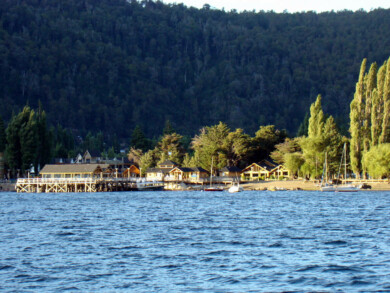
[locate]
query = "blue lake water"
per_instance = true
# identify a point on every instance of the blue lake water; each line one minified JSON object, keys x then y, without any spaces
{"x":255,"y":241}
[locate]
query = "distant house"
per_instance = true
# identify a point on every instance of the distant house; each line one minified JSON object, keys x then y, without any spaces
{"x":161,"y":172}
{"x":73,"y":170}
{"x":280,"y":171}
{"x":62,"y":161}
{"x":156,"y":173}
{"x":199,"y":173}
{"x":118,"y":164}
{"x":187,"y":174}
{"x":91,"y":157}
{"x":232,"y":172}
{"x":79,"y":159}
{"x":168,"y":164}
{"x":259,"y":170}
{"x":132,"y":171}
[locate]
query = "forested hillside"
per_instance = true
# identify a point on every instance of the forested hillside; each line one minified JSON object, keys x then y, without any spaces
{"x":111,"y":64}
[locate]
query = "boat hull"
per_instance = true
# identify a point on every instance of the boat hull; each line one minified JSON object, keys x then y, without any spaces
{"x":213,"y":189}
{"x":234,"y":189}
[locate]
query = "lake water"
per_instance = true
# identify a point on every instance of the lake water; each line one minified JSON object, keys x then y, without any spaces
{"x":255,"y":241}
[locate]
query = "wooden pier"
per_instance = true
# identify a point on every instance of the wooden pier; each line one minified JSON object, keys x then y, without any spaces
{"x":39,"y":185}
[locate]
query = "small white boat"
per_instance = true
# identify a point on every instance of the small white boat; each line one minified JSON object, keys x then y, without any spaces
{"x":346,"y":188}
{"x":235,"y":188}
{"x":328,"y":187}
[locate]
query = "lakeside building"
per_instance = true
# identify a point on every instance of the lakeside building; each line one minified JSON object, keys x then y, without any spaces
{"x":265,"y":169}
{"x":75,"y":170}
{"x":161,"y":172}
{"x":185,"y":174}
{"x":230,"y":171}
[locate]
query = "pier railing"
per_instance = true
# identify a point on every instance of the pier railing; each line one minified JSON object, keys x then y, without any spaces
{"x":77,"y":180}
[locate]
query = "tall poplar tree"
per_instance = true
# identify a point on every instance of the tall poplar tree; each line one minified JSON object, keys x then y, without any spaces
{"x":316,"y":120}
{"x":370,"y":85}
{"x":377,"y":106}
{"x":356,"y":122}
{"x":385,"y":135}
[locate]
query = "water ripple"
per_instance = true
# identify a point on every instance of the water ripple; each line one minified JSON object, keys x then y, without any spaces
{"x":195,"y":242}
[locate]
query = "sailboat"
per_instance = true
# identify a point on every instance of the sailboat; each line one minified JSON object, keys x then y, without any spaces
{"x":345,"y":187}
{"x":338,"y":188}
{"x":211,"y":188}
{"x":325,"y":186}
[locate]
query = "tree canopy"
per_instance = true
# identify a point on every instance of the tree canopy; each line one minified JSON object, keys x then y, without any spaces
{"x":111,"y":65}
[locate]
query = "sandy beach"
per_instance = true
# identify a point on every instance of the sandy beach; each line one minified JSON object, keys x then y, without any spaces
{"x":301,"y":185}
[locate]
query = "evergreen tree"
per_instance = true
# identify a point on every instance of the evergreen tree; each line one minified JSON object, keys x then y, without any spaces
{"x":332,"y":142}
{"x":210,"y":146}
{"x":238,"y":147}
{"x":289,"y":146}
{"x":138,"y":139}
{"x":148,"y":160}
{"x":44,"y":138}
{"x":264,"y":142}
{"x":170,"y":148}
{"x":304,"y":127}
{"x":28,"y":136}
{"x":19,"y":129}
{"x":115,"y":144}
{"x":168,"y":129}
{"x":324,"y":138}
{"x":134,"y":156}
{"x":3,"y":140}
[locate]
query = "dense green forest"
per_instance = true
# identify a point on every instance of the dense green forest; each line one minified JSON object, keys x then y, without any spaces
{"x":109,"y":65}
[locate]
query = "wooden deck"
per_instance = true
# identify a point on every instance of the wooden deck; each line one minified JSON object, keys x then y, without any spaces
{"x":38,"y":185}
{"x":98,"y":184}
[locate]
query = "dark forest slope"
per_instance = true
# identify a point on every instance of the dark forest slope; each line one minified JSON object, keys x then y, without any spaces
{"x":109,"y":64}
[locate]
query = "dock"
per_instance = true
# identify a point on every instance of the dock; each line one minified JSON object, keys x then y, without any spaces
{"x":47,"y":185}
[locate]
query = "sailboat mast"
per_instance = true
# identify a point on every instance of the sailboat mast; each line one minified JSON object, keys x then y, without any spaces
{"x":326,"y":167}
{"x":211,"y":172}
{"x":345,"y":163}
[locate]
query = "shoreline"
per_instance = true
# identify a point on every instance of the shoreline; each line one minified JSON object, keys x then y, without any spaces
{"x":261,"y":185}
{"x":303,"y":185}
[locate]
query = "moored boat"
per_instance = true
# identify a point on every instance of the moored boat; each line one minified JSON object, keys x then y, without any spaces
{"x":235,"y":188}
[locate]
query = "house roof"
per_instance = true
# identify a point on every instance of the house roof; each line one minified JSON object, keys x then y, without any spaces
{"x":199,"y":169}
{"x":168,"y":162}
{"x":267,"y":164}
{"x":93,"y":154}
{"x":158,"y":170}
{"x":230,"y":169}
{"x":72,"y":168}
{"x":183,"y":169}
